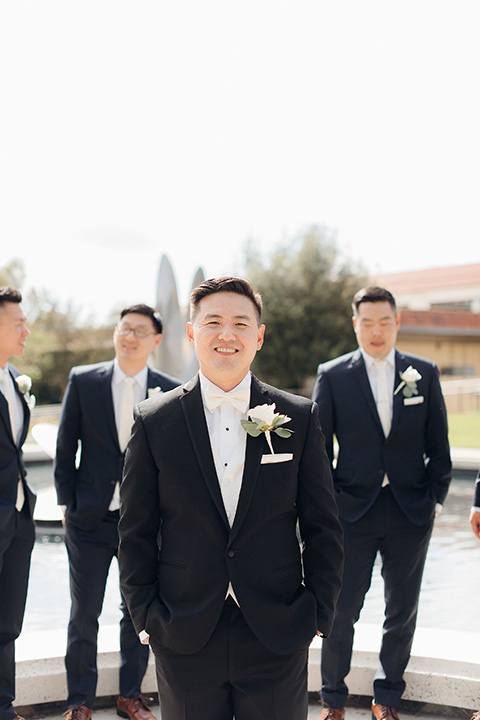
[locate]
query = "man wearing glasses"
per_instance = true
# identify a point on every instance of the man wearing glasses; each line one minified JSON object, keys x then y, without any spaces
{"x":97,"y":414}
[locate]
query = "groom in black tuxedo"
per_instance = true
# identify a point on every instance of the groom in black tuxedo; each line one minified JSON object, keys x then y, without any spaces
{"x":17,"y":499}
{"x":391,"y":476}
{"x":97,"y":414}
{"x":211,"y":565}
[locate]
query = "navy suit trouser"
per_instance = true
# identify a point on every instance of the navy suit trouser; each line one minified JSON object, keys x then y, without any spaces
{"x":15,"y":554}
{"x":90,"y":553}
{"x":403,"y":548}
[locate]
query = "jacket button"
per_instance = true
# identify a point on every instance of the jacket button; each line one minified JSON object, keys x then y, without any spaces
{"x":231,"y":553}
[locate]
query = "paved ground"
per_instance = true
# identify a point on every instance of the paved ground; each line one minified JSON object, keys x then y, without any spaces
{"x":352,"y":713}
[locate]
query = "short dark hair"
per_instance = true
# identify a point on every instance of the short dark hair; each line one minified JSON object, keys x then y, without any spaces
{"x":146,"y":310}
{"x":227,"y":283}
{"x":373,"y":294}
{"x":8,"y":294}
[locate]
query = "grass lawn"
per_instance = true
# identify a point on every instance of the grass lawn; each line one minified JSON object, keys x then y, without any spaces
{"x":464,"y":429}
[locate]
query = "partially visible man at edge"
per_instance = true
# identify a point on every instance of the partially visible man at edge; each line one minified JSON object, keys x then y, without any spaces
{"x":392,"y":474}
{"x":97,"y":415}
{"x":210,"y":561}
{"x":17,"y":499}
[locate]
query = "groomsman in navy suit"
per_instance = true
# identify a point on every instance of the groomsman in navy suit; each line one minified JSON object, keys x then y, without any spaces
{"x":96,"y":417}
{"x":386,"y":410}
{"x":17,"y":499}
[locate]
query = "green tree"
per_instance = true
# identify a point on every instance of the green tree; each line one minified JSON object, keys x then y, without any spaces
{"x":12,"y":275}
{"x":59,"y":338}
{"x":307,"y":289}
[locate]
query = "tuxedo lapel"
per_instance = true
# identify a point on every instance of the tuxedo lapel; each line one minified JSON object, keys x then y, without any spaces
{"x":192,"y":406}
{"x":151,"y":382}
{"x":4,"y":414}
{"x":360,"y":373}
{"x":26,"y":416}
{"x":401,"y":364}
{"x":253,"y":455}
{"x":106,"y":399}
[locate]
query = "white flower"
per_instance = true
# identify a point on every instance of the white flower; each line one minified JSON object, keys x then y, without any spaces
{"x":24,"y":383}
{"x":410,"y":375}
{"x":409,"y":378}
{"x":154,"y":391}
{"x":266,"y":413}
{"x":264,"y":419}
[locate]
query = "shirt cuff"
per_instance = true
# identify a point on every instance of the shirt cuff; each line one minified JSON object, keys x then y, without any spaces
{"x":144,"y":637}
{"x":475,"y":508}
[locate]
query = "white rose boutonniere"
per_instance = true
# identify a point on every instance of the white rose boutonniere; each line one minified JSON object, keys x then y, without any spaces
{"x":409,"y":379}
{"x":264,"y":419}
{"x":154,"y":391}
{"x":24,"y":383}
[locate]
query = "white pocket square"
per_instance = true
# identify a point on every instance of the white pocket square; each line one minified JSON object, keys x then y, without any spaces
{"x":276,"y":458}
{"x":414,"y":400}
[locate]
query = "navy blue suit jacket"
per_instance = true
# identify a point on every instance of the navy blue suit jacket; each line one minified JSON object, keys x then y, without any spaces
{"x":177,"y":551}
{"x":476,"y":497}
{"x":88,"y":419}
{"x":12,"y":466}
{"x":415,"y":455}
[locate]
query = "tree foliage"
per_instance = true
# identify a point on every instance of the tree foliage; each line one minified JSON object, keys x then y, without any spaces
{"x":307,"y":291}
{"x":59,"y":339}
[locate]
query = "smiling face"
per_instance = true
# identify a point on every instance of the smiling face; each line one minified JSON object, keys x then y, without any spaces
{"x":376,"y":327}
{"x":13,"y":331}
{"x":226,"y":336}
{"x":131,"y":351}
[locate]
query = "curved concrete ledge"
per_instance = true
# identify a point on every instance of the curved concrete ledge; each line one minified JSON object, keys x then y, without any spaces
{"x":444,"y":669}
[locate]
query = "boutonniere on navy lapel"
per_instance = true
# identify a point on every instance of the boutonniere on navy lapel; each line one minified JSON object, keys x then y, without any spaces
{"x":154,"y":391}
{"x":25,"y":385}
{"x":264,"y":419}
{"x":409,"y":378}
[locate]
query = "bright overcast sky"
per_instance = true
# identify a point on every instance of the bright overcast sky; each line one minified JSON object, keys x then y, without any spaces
{"x":133,"y":128}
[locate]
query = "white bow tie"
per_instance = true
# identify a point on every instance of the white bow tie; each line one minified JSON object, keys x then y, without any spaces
{"x":239,"y":399}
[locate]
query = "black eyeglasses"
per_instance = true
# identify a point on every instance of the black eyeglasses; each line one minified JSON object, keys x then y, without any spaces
{"x":139,"y":332}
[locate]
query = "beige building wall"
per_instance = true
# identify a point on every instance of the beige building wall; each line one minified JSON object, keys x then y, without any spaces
{"x":446,"y":352}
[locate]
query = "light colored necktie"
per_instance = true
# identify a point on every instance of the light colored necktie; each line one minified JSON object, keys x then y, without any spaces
{"x":7,"y":391}
{"x":383,"y":398}
{"x":239,"y":399}
{"x":126,"y":414}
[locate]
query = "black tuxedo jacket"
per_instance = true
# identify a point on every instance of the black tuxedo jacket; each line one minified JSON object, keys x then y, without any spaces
{"x":88,"y":419}
{"x":415,"y":455}
{"x":12,"y":466}
{"x":177,"y":551}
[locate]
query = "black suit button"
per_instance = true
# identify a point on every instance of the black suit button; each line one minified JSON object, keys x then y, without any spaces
{"x":231,"y":553}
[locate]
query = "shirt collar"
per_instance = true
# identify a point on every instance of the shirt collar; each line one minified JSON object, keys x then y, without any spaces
{"x":369,"y":360}
{"x":204,"y":382}
{"x":118,"y":375}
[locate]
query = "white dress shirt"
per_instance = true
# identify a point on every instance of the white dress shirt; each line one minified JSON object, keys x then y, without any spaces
{"x":18,"y":407}
{"x":228,"y":441}
{"x":118,"y":389}
{"x":372,"y":373}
